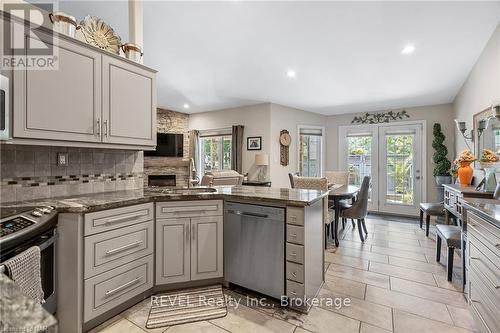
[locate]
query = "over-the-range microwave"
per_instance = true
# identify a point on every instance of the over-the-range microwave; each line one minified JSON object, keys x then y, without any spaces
{"x":4,"y":108}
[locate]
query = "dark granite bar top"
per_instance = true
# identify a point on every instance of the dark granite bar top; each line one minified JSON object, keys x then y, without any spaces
{"x":107,"y":200}
{"x":468,"y":190}
{"x":20,"y":313}
{"x":489,"y":209}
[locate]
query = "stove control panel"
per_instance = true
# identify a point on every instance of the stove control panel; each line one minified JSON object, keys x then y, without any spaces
{"x":23,"y":221}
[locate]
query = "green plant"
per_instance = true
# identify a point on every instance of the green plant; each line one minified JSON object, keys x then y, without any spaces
{"x":442,"y":164}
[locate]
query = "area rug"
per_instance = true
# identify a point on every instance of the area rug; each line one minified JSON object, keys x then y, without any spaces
{"x":186,"y":306}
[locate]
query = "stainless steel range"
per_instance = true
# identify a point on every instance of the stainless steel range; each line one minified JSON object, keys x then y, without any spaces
{"x":26,"y":227}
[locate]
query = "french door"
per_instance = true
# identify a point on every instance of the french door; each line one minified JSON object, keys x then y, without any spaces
{"x":392,"y":156}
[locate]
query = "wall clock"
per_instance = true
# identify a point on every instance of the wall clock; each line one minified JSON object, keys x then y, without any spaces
{"x":285,"y":141}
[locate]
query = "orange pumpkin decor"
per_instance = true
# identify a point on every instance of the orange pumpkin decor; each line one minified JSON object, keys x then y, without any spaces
{"x":465,"y":171}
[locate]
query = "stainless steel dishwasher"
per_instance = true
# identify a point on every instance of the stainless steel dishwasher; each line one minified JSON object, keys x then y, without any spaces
{"x":254,"y":247}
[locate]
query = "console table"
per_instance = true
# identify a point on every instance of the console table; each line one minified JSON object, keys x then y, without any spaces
{"x":454,"y":197}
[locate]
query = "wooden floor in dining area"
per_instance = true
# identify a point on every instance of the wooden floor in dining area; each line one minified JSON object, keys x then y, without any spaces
{"x":392,"y":281}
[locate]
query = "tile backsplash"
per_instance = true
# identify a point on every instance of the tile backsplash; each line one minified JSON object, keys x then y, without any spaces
{"x":31,"y":172}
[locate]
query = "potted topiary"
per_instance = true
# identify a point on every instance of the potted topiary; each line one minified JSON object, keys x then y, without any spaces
{"x":442,"y":164}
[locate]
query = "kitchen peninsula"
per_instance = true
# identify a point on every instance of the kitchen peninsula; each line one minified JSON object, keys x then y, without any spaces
{"x":117,"y":248}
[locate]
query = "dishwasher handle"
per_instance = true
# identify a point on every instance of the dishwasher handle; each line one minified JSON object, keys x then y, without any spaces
{"x":240,"y":213}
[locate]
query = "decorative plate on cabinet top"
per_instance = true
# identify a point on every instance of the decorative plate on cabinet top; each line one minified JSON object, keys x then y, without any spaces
{"x":98,"y":33}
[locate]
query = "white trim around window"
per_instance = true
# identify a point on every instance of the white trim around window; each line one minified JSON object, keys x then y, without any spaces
{"x":317,"y":130}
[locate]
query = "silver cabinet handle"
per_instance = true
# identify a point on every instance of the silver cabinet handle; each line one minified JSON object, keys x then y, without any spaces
{"x":123,"y":286}
{"x":293,"y":254}
{"x":98,"y":127}
{"x":126,"y":217}
{"x":105,"y":123}
{"x":124,"y":247}
{"x":293,"y":293}
{"x":237,"y":212}
{"x":293,"y":235}
{"x":187,"y":233}
{"x":193,"y":231}
{"x":294,"y":274}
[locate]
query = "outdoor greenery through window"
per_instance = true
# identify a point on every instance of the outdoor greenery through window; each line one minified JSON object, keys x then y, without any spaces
{"x":310,"y":152}
{"x":215,"y":153}
{"x":359,"y":158}
{"x":399,"y":168}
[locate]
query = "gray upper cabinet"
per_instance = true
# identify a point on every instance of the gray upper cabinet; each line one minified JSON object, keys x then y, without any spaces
{"x":129,"y":103}
{"x":92,"y":99}
{"x":61,"y":104}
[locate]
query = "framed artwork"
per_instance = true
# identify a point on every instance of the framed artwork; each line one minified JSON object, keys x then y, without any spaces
{"x":254,"y":143}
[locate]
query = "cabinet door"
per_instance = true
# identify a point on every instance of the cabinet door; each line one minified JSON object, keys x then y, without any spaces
{"x":172,"y":250}
{"x":62,"y":103}
{"x":129,"y":103}
{"x":206,"y":247}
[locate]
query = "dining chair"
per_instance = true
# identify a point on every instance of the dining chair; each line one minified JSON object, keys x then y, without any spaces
{"x":342,"y":178}
{"x":359,"y":208}
{"x":320,"y":184}
{"x":337,"y":177}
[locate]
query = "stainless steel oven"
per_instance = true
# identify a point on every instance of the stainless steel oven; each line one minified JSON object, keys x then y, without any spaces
{"x":4,"y":108}
{"x":23,"y":230}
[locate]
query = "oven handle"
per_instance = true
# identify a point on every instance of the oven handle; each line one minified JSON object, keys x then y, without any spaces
{"x":49,"y":241}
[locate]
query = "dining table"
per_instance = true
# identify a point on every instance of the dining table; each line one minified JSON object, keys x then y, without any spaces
{"x":336,"y":193}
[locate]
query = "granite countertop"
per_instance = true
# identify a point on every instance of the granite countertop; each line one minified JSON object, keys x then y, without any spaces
{"x":486,"y":208}
{"x":20,"y":313}
{"x":107,"y":200}
{"x":468,"y":189}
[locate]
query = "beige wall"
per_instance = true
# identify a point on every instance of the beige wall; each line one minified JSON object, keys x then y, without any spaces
{"x":432,"y":114}
{"x":283,"y":117}
{"x":482,"y":87}
{"x":255,"y":118}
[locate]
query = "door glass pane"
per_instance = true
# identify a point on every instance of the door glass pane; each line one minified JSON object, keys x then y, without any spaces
{"x":359,"y":158}
{"x":400,"y":187}
{"x":310,"y":155}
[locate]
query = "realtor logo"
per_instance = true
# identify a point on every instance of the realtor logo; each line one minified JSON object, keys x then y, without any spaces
{"x":26,"y":45}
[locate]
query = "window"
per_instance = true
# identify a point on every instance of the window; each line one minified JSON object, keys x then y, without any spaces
{"x":311,"y":151}
{"x":215,"y":151}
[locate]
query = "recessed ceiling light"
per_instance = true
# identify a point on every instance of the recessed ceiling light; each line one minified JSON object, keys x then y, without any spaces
{"x":408,"y":49}
{"x":290,"y":73}
{"x":186,"y":106}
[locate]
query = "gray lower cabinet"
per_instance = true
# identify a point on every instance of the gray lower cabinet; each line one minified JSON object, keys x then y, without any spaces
{"x":190,"y":247}
{"x":483,"y":271}
{"x":105,"y":261}
{"x":173,"y":262}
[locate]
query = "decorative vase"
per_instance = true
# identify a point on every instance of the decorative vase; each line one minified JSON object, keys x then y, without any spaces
{"x":490,"y":180}
{"x":465,"y":172}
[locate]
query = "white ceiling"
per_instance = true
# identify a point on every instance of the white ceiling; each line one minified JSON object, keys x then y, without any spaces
{"x":347,"y":55}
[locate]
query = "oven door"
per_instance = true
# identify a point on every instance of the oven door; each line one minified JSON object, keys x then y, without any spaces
{"x":4,"y":108}
{"x":47,"y":244}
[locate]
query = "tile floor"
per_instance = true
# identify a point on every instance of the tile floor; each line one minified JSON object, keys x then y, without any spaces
{"x":392,"y":281}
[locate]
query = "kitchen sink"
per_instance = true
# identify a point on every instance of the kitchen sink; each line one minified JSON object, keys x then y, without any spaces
{"x":188,"y":191}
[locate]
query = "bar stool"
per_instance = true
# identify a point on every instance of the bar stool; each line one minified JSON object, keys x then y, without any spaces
{"x":452,"y":236}
{"x":430,"y":209}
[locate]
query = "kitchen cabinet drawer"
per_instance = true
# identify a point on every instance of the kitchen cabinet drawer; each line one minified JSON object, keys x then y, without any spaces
{"x":484,"y":231}
{"x":295,"y":215}
{"x":110,"y":219}
{"x":114,"y":248}
{"x":294,"y":289}
{"x":295,"y":253}
{"x":487,"y":308}
{"x":485,"y":273}
{"x":295,"y":234}
{"x":110,"y":289}
{"x":485,"y":262}
{"x":295,"y":272}
{"x":189,"y":208}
